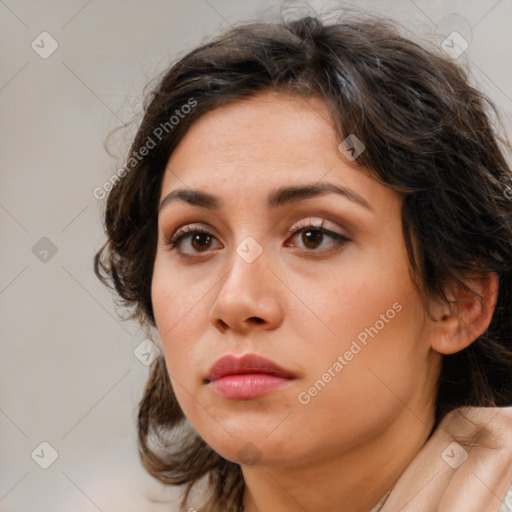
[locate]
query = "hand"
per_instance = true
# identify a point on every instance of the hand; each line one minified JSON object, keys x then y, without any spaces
{"x":471,"y":476}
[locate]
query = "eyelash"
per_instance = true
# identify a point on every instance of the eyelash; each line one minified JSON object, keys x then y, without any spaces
{"x":184,"y":232}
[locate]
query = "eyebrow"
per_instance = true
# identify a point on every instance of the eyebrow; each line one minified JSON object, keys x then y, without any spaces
{"x":279,"y":197}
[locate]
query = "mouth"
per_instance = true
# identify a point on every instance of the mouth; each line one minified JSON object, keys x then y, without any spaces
{"x":248,"y":377}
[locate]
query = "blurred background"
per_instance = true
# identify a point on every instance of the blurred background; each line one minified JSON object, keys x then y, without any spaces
{"x":71,"y":372}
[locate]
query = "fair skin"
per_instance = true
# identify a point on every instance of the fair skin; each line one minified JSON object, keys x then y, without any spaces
{"x":475,"y":484}
{"x":301,"y":303}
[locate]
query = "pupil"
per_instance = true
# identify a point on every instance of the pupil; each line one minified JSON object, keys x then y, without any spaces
{"x":315,"y":237}
{"x":198,"y":237}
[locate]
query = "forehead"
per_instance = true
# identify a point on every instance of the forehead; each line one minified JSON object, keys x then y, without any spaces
{"x":262,"y":143}
{"x":268,"y":124}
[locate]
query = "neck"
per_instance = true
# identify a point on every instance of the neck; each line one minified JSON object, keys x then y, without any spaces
{"x":354,"y":481}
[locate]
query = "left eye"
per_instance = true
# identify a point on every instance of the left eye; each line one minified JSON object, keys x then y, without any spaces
{"x":313,"y":235}
{"x":201,"y":240}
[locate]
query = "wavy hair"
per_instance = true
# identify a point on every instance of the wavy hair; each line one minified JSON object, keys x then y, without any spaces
{"x":428,"y":134}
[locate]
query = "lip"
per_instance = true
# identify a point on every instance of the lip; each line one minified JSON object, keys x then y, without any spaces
{"x":249,"y":363}
{"x":250,"y":376}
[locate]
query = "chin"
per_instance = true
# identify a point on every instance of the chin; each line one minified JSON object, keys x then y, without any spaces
{"x":252,"y":448}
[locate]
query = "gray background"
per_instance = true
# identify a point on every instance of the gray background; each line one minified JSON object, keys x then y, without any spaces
{"x":68,"y":375}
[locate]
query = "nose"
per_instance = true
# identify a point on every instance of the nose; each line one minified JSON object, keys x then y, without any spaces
{"x":249,"y":298}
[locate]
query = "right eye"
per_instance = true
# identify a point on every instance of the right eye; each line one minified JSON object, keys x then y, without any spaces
{"x":200,"y":239}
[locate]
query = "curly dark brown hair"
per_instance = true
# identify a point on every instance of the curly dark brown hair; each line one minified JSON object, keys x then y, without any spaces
{"x":428,"y":134}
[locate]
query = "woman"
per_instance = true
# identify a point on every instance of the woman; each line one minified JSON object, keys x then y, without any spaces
{"x":314,"y":217}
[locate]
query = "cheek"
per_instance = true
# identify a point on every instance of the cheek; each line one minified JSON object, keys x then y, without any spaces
{"x":366,"y":376}
{"x":178,"y":314}
{"x":375,"y":317}
{"x":367,"y":295}
{"x":177,"y":320}
{"x":175,"y":296}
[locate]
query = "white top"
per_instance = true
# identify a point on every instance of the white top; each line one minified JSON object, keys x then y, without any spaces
{"x":506,"y":506}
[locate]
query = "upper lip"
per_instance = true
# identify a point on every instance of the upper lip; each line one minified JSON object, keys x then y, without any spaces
{"x":249,"y":363}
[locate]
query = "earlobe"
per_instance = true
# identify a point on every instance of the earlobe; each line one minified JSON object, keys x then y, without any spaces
{"x":467,"y":316}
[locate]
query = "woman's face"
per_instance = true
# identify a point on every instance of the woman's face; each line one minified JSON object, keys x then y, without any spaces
{"x":336,"y":309}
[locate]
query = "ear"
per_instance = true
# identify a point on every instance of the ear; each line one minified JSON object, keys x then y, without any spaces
{"x":467,"y":316}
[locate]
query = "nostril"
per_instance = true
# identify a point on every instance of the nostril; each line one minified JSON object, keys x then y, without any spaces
{"x":257,"y":319}
{"x":223,"y":325}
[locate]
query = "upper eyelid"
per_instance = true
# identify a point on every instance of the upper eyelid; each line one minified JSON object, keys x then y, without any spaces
{"x":314,"y":221}
{"x":350,"y":221}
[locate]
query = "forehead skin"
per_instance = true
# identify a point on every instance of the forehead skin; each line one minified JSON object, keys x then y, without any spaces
{"x":285,"y":139}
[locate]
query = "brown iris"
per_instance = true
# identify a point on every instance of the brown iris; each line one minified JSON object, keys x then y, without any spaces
{"x":198,"y":237}
{"x":313,"y":236}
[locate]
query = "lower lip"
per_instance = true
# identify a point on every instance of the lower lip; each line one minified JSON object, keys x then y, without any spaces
{"x":247,"y":386}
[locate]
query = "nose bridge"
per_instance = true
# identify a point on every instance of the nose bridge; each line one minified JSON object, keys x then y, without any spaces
{"x":248,"y":273}
{"x":244,"y":296}
{"x":249,"y":256}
